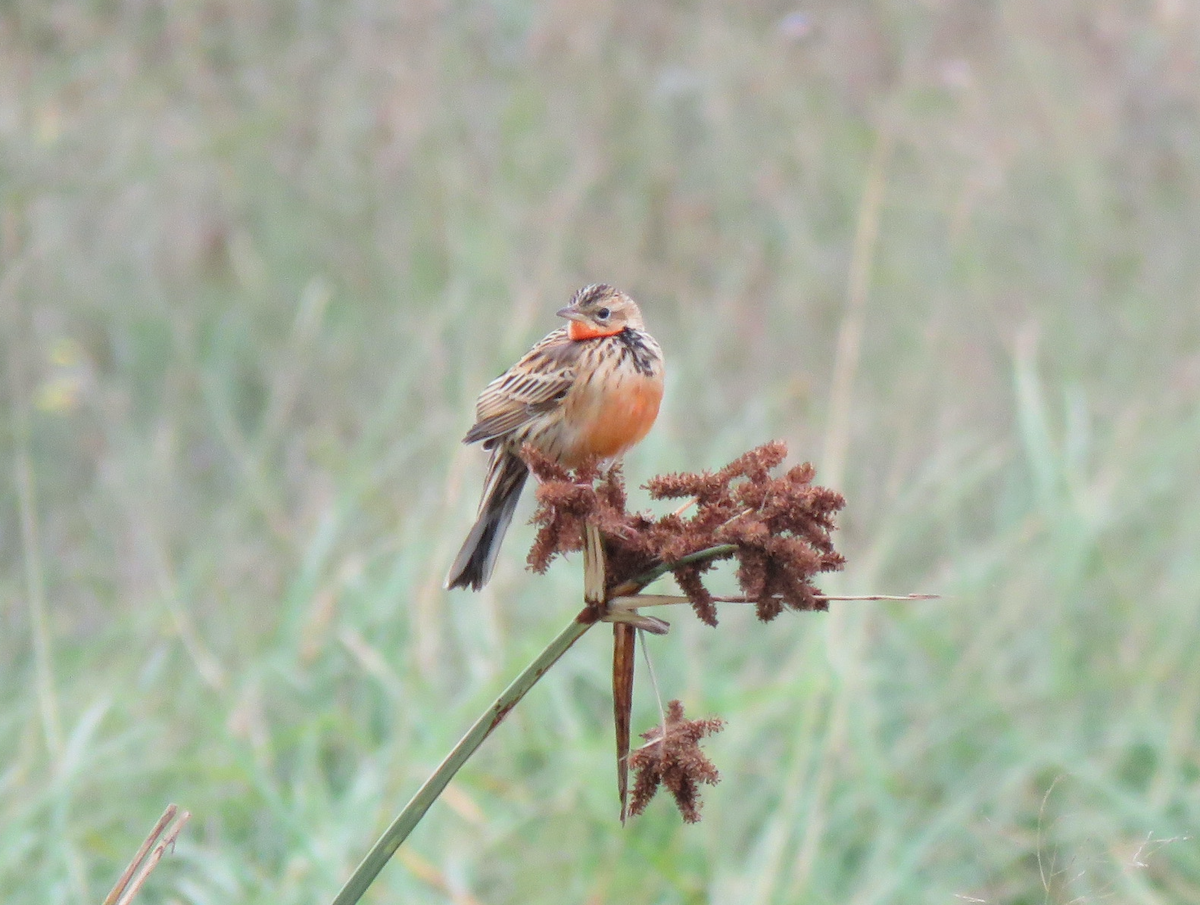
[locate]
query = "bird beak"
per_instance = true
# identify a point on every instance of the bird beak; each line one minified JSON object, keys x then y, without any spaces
{"x":571,"y":314}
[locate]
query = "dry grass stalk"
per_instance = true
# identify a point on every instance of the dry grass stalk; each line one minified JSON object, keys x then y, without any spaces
{"x":147,"y":857}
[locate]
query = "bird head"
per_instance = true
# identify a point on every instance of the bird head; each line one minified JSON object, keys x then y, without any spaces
{"x":600,"y":310}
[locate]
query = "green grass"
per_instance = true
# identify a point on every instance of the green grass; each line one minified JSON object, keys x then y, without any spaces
{"x":257,"y":260}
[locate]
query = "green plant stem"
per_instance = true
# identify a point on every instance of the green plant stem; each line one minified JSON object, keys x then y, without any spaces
{"x":366,"y":872}
{"x":633,"y":585}
{"x":394,"y":835}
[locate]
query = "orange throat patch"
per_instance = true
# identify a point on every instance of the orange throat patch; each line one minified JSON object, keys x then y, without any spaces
{"x":578,"y":330}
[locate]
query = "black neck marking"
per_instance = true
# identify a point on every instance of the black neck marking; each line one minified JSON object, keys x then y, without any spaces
{"x":634,"y":347}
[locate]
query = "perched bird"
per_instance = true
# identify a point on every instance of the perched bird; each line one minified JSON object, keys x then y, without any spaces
{"x":589,"y":390}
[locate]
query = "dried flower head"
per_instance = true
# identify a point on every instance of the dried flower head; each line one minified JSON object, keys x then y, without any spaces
{"x":778,"y":528}
{"x":672,"y":757}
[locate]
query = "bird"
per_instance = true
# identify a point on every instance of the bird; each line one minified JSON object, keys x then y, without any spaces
{"x":587,"y":392}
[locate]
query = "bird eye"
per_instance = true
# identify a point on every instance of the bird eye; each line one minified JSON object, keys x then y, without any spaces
{"x":603,"y":314}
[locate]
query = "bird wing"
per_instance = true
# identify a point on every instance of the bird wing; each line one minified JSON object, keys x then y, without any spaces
{"x":533,"y":386}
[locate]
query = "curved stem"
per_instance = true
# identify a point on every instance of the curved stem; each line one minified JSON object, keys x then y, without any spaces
{"x":394,"y":835}
{"x":635,"y":584}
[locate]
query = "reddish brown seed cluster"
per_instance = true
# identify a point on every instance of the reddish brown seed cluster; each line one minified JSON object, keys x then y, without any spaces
{"x":672,"y":758}
{"x":777,"y":527}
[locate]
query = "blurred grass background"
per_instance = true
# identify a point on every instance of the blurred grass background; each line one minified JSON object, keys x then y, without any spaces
{"x":258,"y":258}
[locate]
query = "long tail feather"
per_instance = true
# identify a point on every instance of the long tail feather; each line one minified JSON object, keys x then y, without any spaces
{"x":505,"y":480}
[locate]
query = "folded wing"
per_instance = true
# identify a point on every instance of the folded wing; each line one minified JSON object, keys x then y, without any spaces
{"x":534,"y":386}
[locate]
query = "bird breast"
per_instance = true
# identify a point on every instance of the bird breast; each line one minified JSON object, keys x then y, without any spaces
{"x":609,"y":413}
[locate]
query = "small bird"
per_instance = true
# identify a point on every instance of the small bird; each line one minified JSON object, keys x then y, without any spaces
{"x":590,"y":390}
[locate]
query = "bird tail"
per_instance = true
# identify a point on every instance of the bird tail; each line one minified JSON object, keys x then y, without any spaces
{"x":505,"y":479}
